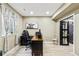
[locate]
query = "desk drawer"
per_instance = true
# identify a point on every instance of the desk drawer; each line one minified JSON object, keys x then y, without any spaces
{"x":37,"y":45}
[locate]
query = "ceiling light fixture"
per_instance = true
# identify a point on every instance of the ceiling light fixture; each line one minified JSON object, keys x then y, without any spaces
{"x":31,"y":12}
{"x":47,"y":12}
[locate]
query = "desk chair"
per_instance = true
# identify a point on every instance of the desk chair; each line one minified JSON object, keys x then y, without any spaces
{"x":28,"y":40}
{"x":25,"y":39}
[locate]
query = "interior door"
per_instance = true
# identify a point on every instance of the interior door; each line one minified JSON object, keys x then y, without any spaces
{"x":64,"y":32}
{"x":71,"y":31}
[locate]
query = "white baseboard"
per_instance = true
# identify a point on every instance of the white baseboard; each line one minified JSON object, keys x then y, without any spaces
{"x":12,"y":51}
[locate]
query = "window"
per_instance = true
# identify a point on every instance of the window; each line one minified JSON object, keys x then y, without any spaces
{"x":9,"y":21}
{"x":6,"y":20}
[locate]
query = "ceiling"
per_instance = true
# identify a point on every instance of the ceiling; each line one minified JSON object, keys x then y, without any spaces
{"x":36,"y":9}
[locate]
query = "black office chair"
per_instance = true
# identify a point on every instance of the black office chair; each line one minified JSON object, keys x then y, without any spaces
{"x":28,"y":41}
{"x":25,"y":39}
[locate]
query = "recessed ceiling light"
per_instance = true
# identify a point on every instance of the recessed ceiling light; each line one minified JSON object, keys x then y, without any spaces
{"x":47,"y":12}
{"x":31,"y":12}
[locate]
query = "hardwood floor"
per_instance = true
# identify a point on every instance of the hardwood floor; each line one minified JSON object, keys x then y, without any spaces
{"x":23,"y":52}
{"x":49,"y":49}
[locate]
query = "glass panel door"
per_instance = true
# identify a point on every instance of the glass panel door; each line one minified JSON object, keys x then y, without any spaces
{"x":64,"y":33}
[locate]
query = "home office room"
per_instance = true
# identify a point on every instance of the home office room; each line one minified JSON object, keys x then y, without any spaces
{"x":39,"y":29}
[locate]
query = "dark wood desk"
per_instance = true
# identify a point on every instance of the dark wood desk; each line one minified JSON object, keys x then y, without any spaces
{"x":37,"y":47}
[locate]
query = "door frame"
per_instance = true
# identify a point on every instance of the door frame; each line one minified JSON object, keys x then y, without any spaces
{"x":73,"y":29}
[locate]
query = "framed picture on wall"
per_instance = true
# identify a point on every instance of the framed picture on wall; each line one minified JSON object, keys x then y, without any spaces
{"x":31,"y":26}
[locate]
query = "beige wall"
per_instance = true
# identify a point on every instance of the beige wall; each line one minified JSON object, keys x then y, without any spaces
{"x":76,"y":32}
{"x":1,"y":43}
{"x":46,"y":25}
{"x":10,"y":42}
{"x":58,"y":31}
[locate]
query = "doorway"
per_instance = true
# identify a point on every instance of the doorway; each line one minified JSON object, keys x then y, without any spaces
{"x":66,"y":31}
